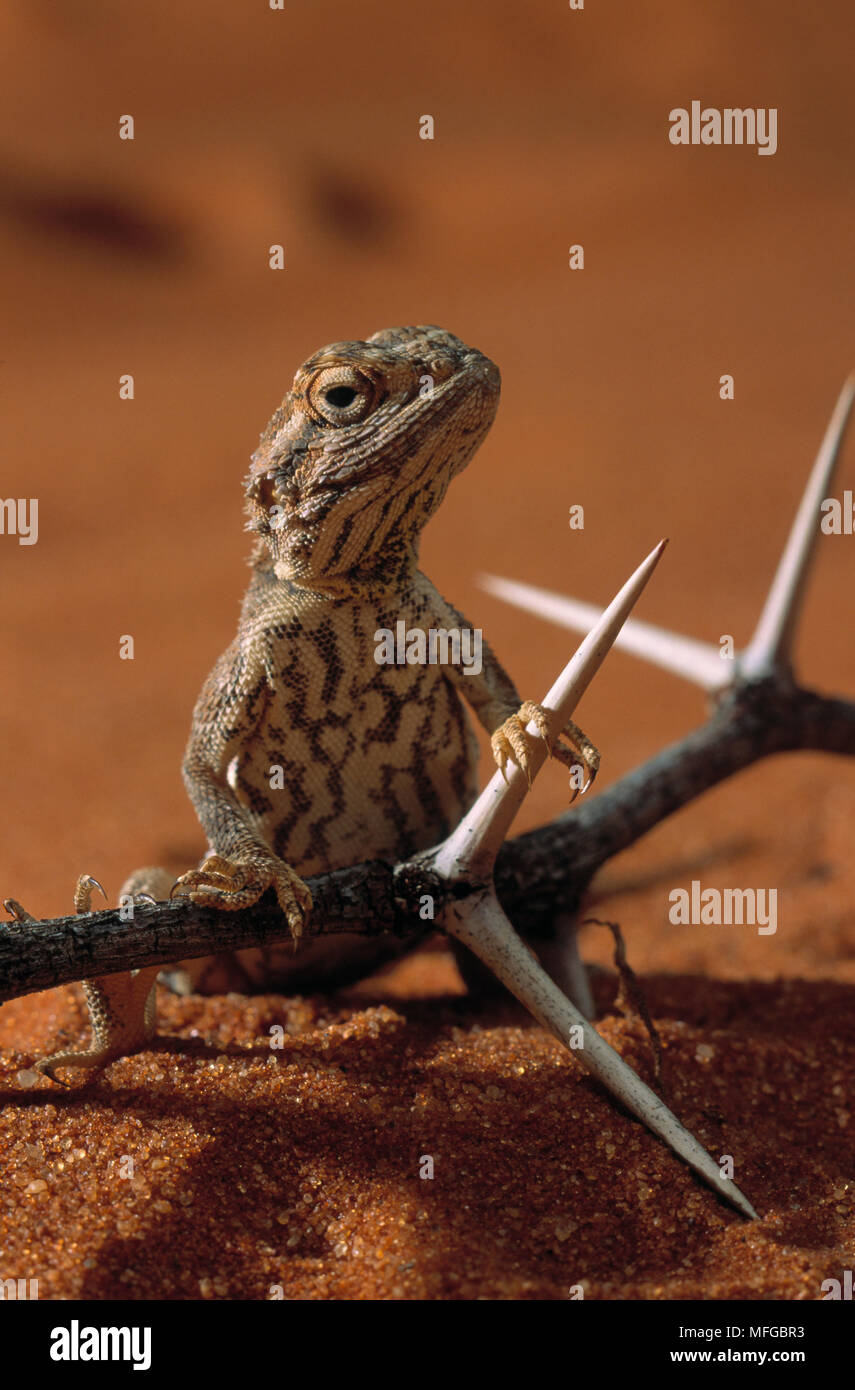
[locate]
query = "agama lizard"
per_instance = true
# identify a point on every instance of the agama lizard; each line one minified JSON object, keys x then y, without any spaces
{"x":306,"y":754}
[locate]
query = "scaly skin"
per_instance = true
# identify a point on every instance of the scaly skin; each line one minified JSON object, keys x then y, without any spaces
{"x":305,"y":754}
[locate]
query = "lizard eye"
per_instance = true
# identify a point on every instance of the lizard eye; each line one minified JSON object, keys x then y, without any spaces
{"x":341,"y":395}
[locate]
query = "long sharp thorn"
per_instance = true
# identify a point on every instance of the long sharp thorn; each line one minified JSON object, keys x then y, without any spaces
{"x":771,"y":645}
{"x":479,"y":922}
{"x":471,"y":849}
{"x":698,"y":662}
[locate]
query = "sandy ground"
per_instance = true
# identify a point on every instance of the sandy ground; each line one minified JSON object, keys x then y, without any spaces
{"x":300,"y":1168}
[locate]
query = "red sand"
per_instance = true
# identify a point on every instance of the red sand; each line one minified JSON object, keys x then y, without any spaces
{"x":300,"y":1167}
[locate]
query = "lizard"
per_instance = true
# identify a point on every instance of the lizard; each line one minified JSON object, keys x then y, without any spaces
{"x":306,"y":752}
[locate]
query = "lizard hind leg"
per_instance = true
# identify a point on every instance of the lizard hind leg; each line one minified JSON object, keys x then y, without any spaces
{"x":121,"y":1006}
{"x":157,"y":885}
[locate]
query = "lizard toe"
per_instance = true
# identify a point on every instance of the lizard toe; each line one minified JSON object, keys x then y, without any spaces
{"x":229,"y":884}
{"x":511,"y":741}
{"x":295,"y":899}
{"x":579,"y":755}
{"x":19,"y":914}
{"x":83,"y":893}
{"x":219,"y":882}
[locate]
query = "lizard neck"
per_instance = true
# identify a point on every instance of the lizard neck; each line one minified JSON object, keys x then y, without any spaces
{"x":392,"y":573}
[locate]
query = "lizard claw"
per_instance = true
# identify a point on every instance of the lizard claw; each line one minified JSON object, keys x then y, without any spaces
{"x":46,"y":1068}
{"x":581,"y":757}
{"x":230,"y":884}
{"x":83,"y":893}
{"x":511,"y":741}
{"x":19,"y":914}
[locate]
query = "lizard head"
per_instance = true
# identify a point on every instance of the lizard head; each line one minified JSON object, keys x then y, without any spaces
{"x":361,"y":451}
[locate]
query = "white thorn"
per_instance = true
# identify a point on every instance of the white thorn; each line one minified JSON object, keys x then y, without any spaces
{"x":471,"y":849}
{"x":479,"y":922}
{"x":771,"y":645}
{"x":698,"y":662}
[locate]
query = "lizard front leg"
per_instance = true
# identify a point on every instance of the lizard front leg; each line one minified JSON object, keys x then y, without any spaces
{"x":242,"y":866}
{"x":493,"y":698}
{"x":121,"y":1007}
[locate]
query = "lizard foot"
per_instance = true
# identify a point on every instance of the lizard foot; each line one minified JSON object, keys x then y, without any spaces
{"x":510,"y":741}
{"x":226,"y":883}
{"x":121,"y":1007}
{"x":82,"y":900}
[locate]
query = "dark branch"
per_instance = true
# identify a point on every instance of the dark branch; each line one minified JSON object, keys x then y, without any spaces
{"x":549,"y":869}
{"x":537,"y":875}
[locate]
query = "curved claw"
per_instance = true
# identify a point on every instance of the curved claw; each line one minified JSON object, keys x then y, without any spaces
{"x":45,"y":1069}
{"x":17,"y":912}
{"x":579,"y":753}
{"x":83,"y":893}
{"x":584,"y":767}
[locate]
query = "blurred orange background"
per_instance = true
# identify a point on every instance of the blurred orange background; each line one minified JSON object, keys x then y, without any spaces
{"x":301,"y":127}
